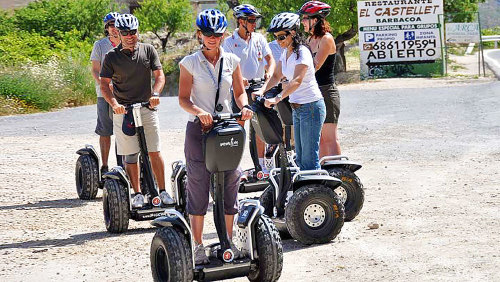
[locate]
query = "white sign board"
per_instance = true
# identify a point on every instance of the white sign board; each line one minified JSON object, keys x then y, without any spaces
{"x":398,"y":31}
{"x":462,"y":32}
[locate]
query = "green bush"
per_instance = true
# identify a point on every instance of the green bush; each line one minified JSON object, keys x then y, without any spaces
{"x":35,"y":48}
{"x":36,"y":93}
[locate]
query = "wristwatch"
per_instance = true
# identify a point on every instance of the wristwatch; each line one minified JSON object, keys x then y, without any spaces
{"x":155,"y":94}
{"x":248,"y":107}
{"x":279,"y":96}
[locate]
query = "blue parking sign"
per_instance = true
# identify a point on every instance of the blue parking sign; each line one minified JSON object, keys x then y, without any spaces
{"x":369,"y":37}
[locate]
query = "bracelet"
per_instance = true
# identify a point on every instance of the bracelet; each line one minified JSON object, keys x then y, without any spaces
{"x":155,"y":94}
{"x":248,"y":107}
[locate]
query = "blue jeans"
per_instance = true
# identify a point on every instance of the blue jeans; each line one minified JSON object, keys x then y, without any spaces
{"x":307,"y":123}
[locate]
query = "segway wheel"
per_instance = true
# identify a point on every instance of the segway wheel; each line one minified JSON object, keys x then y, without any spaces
{"x":87,"y":177}
{"x":269,"y":251}
{"x":266,"y":200}
{"x":314,"y":214}
{"x":170,"y":256}
{"x":115,"y":201}
{"x":350,"y":193}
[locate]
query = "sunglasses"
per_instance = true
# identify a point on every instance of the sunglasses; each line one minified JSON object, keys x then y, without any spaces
{"x":282,"y":36}
{"x":110,"y":24}
{"x":210,"y":34}
{"x":252,"y":21}
{"x":128,"y":32}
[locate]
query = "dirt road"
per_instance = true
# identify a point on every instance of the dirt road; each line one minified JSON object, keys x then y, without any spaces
{"x":431,"y":161}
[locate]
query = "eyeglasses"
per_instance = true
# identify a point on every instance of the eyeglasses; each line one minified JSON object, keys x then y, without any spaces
{"x":210,"y":34}
{"x":128,"y":32}
{"x":252,"y":21}
{"x":281,"y":37}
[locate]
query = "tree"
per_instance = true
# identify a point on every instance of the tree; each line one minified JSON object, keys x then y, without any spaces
{"x":169,"y":16}
{"x":461,"y":10}
{"x":55,"y":17}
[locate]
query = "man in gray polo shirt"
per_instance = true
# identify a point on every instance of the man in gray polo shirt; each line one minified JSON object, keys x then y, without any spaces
{"x":129,"y":66}
{"x":104,"y":127}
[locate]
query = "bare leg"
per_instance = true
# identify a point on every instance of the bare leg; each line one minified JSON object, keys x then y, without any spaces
{"x":229,"y":225}
{"x":197,"y":227}
{"x":261,"y":146}
{"x":105,"y":144}
{"x":329,"y":144}
{"x":158,"y":168}
{"x":133,"y":174}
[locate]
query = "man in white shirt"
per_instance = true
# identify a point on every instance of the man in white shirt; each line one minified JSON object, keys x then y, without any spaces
{"x":256,"y":58}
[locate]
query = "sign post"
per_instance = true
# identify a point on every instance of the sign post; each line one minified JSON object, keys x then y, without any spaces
{"x":400,"y":38}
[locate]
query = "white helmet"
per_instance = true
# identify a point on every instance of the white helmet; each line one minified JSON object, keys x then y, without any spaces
{"x":126,"y":22}
{"x":284,"y":21}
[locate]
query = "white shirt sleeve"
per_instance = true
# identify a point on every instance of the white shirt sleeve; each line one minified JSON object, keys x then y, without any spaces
{"x":266,"y":50}
{"x":96,"y":53}
{"x":187,"y":62}
{"x":305,"y":57}
{"x":234,"y":61}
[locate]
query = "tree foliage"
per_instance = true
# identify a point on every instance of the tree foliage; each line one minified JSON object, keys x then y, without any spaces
{"x":55,"y":17}
{"x":169,"y":16}
{"x":461,"y":10}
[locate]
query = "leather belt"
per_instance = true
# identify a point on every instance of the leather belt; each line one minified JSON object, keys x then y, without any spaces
{"x":295,"y":105}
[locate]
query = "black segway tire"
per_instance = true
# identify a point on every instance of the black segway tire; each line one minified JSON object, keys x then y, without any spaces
{"x":351,"y":192}
{"x":323,"y":210}
{"x":266,"y":200}
{"x":115,"y":201}
{"x":87,"y":177}
{"x":170,"y":256}
{"x":269,"y":250}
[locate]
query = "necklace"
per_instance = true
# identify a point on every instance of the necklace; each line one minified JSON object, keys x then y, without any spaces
{"x":214,"y":59}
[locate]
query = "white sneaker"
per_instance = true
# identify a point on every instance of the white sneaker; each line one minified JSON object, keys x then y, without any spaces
{"x":200,"y":257}
{"x":138,"y":201}
{"x":165,"y":198}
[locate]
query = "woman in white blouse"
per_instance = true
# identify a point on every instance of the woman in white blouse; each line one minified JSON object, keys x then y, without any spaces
{"x":198,"y":83}
{"x":296,"y":64}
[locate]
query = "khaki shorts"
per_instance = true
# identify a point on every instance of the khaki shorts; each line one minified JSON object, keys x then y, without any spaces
{"x":128,"y":145}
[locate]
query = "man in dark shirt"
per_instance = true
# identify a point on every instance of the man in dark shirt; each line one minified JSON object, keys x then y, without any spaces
{"x":129,"y":66}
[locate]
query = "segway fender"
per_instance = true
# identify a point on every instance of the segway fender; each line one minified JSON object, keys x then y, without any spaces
{"x":173,"y":218}
{"x":339,"y":161}
{"x":328,"y":181}
{"x":88,"y":150}
{"x":248,"y":215}
{"x":117,"y":173}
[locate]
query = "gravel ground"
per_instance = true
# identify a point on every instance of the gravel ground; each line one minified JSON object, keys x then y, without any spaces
{"x":431,"y":162}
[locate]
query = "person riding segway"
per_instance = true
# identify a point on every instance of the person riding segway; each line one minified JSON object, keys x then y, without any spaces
{"x":88,"y":171}
{"x":323,"y":47}
{"x":135,"y":124}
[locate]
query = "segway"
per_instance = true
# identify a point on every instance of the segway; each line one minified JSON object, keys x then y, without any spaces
{"x":88,"y":176}
{"x":172,"y":247}
{"x":350,"y":193}
{"x":302,"y":204}
{"x":117,"y":193}
{"x":254,"y":179}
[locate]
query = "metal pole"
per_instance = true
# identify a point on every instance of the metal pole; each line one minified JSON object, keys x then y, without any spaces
{"x":481,"y":44}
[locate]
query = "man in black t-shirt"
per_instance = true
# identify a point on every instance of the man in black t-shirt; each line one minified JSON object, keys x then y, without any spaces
{"x":129,"y":67}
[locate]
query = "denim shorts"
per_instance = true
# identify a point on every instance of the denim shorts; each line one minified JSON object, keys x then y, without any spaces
{"x":104,"y":125}
{"x":198,"y":177}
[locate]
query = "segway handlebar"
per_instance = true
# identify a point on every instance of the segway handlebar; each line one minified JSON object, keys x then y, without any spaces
{"x":139,"y":105}
{"x":220,"y":117}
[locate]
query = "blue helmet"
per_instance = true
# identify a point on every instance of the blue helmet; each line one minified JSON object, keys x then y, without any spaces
{"x":211,"y":20}
{"x":110,"y":17}
{"x":245,"y":11}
